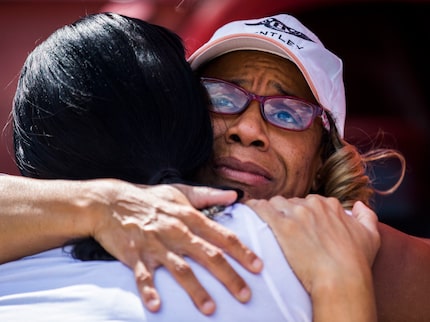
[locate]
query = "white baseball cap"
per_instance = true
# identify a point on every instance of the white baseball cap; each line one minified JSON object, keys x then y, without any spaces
{"x":285,"y":36}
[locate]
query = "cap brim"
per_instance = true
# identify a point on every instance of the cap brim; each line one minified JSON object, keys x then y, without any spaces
{"x":237,"y":42}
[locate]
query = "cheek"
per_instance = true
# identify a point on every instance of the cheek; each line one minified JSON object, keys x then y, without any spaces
{"x":297,"y":149}
{"x":304,"y":166}
{"x":298,"y":161}
{"x":301,"y":161}
{"x":219,"y":125}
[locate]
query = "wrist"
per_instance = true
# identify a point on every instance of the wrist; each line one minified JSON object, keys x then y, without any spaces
{"x":93,"y":204}
{"x":345,"y":296}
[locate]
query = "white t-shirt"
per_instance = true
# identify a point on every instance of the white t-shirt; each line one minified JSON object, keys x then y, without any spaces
{"x":52,"y":286}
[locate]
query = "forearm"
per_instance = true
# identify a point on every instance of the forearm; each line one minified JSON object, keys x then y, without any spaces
{"x":36,"y":215}
{"x":401,"y":276}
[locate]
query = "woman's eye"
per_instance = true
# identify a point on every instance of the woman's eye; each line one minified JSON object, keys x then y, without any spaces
{"x":223,"y":103}
{"x":284,"y":117}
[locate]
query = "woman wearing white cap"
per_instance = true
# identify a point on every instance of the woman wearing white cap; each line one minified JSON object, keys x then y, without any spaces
{"x":243,"y":63}
{"x":324,"y":97}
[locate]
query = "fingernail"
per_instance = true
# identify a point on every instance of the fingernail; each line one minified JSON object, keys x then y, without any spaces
{"x":257,"y":264}
{"x":244,"y":295}
{"x":240,"y":194}
{"x":153,"y":304}
{"x":208,"y":307}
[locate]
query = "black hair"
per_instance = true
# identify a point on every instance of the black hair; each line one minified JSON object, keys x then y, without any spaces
{"x":110,"y":96}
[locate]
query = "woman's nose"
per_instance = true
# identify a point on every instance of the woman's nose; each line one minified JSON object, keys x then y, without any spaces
{"x":249,"y":128}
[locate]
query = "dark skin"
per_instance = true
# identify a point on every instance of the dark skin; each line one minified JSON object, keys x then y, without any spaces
{"x":402,"y":265}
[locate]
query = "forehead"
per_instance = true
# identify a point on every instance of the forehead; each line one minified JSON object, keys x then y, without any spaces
{"x":252,"y":68}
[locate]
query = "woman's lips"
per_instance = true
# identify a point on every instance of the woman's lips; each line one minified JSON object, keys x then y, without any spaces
{"x":243,"y":172}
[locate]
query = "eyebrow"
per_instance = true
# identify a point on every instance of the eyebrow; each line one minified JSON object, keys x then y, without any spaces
{"x":281,"y":89}
{"x":240,"y":82}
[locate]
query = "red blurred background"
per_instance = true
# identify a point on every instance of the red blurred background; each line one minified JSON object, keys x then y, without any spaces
{"x":384,"y":46}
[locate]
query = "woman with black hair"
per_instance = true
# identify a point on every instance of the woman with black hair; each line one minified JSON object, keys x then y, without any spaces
{"x":113,"y":97}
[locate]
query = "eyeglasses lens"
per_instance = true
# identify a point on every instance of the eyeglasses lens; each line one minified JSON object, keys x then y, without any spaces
{"x":226,"y":99}
{"x":288,"y":113}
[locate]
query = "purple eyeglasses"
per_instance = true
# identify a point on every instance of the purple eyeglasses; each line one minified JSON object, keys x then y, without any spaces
{"x":286,"y":112}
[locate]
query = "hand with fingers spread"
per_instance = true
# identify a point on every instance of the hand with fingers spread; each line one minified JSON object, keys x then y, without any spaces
{"x":329,"y":251}
{"x":148,"y":227}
